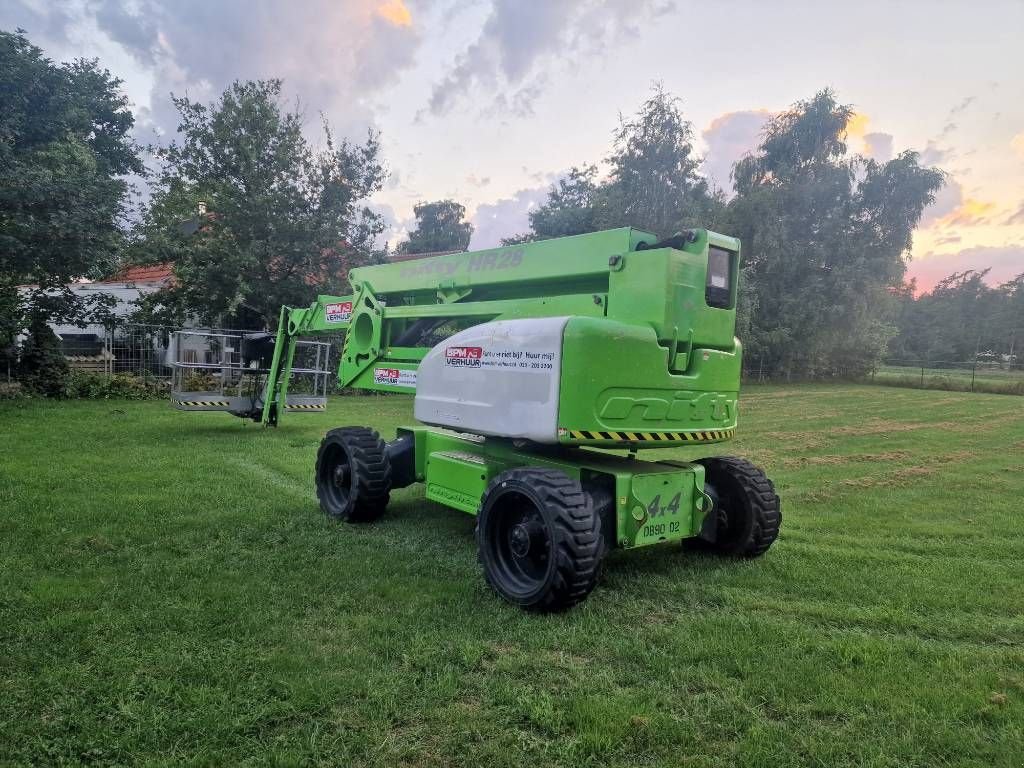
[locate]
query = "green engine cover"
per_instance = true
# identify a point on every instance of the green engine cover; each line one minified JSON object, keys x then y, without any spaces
{"x":663,"y":366}
{"x":617,"y":387}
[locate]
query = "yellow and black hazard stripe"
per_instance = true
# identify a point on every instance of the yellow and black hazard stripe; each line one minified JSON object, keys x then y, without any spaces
{"x":304,"y":407}
{"x":204,"y":403}
{"x":654,"y":437}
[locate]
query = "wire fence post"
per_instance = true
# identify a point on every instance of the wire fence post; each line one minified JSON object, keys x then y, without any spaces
{"x":974,"y":371}
{"x":922,"y":375}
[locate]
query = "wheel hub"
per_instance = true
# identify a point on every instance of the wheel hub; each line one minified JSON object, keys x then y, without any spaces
{"x":341,"y":475}
{"x":519,"y":540}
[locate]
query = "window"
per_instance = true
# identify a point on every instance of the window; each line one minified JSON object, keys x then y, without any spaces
{"x":718,"y":286}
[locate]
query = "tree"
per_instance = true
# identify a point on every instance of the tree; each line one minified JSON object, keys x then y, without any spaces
{"x":284,"y":222}
{"x":571,"y":207}
{"x":1010,"y":318}
{"x":65,"y":147}
{"x":962,"y":317}
{"x":42,"y":367}
{"x":825,"y":238}
{"x":653,"y":182}
{"x":439,"y":227}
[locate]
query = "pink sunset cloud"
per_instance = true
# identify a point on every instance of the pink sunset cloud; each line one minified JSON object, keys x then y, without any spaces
{"x":1005,"y":263}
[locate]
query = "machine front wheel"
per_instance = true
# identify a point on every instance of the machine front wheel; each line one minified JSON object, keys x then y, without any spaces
{"x":539,"y":539}
{"x":746,"y":516}
{"x":353,"y":474}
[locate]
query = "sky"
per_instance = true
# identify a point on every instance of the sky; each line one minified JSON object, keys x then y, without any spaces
{"x":490,"y":101}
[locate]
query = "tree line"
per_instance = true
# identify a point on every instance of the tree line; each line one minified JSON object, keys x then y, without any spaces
{"x":962,"y":318}
{"x":826,"y":233}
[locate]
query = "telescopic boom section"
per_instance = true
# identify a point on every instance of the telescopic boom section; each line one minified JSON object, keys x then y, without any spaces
{"x":648,"y":355}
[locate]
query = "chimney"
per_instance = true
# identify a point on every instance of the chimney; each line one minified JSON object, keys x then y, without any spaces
{"x":201,"y":207}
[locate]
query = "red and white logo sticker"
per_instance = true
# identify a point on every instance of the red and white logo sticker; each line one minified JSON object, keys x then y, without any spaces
{"x":339,"y":313}
{"x":394,"y":377}
{"x":463,"y":357}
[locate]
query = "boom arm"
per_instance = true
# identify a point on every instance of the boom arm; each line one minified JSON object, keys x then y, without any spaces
{"x":397,"y":309}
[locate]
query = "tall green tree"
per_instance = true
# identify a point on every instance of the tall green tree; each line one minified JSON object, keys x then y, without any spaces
{"x":653,"y":181}
{"x":65,"y":149}
{"x":283,"y":221}
{"x":825,"y":237}
{"x":440,"y":226}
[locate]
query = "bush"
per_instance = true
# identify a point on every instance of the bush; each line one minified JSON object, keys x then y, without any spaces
{"x":86,"y":385}
{"x":201,"y":382}
{"x":42,"y":367}
{"x":12,"y":390}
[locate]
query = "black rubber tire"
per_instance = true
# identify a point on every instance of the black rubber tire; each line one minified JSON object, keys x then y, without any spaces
{"x":748,"y":509}
{"x":353,"y":474}
{"x":567,"y":551}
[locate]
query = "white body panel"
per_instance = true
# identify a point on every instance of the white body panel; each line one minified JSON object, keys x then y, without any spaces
{"x":499,"y":378}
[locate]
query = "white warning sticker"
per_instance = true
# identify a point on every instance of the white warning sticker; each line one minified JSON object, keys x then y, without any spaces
{"x":340,"y":312}
{"x":395,"y":377}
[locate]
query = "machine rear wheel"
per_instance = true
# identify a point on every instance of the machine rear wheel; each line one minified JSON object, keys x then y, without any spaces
{"x":353,"y":474}
{"x":747,"y":513}
{"x":539,"y":539}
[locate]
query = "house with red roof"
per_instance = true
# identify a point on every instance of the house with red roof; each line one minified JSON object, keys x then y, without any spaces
{"x":125,"y":287}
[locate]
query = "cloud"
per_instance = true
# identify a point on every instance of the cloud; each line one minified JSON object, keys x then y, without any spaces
{"x":395,"y":12}
{"x":878,"y":146}
{"x":518,"y":37}
{"x":1016,"y":217}
{"x":970,"y":213}
{"x":1006,"y":262}
{"x":857,"y":126}
{"x":332,"y":56}
{"x":874,"y":144}
{"x":933,"y":154}
{"x":394,"y":228}
{"x":1017,"y":144}
{"x":947,"y":200}
{"x":951,"y":210}
{"x":50,"y":22}
{"x":728,"y":137}
{"x":505,"y":217}
{"x":962,"y":105}
{"x":951,"y":126}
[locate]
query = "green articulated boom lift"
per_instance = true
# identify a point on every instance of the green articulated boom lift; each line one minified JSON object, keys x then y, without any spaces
{"x":527,"y":363}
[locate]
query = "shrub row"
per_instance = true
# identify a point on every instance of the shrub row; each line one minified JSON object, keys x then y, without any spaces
{"x":86,"y":385}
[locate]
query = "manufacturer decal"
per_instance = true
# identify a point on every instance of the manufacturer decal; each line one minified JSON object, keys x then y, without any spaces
{"x":340,"y":312}
{"x":653,"y":406}
{"x":483,"y":261}
{"x":394,"y":377}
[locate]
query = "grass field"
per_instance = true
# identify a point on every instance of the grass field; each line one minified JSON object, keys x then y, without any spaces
{"x":169,"y":593}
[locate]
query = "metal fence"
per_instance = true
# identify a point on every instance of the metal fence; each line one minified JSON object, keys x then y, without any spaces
{"x":986,"y":373}
{"x":983,"y":374}
{"x":152,"y":351}
{"x":131,"y":348}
